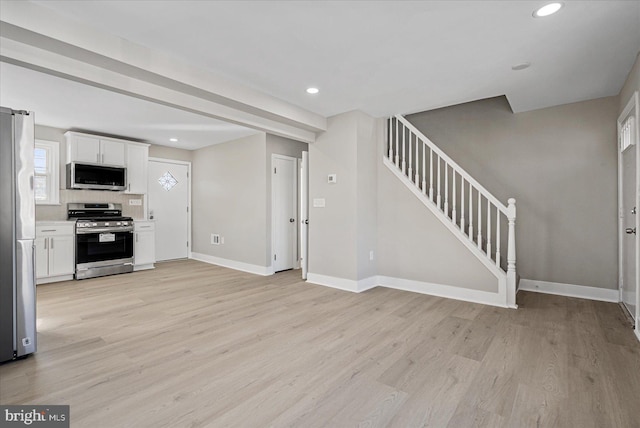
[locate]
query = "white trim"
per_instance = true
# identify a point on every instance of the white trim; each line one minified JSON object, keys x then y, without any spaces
{"x":189,"y":175}
{"x":446,"y":291}
{"x":53,"y":169}
{"x":637,"y":332}
{"x":431,"y":289}
{"x":232,"y":264}
{"x":355,"y":286}
{"x":571,"y":290}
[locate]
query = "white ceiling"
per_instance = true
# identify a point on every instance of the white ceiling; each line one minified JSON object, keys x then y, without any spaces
{"x":381,"y":57}
{"x":66,"y":104}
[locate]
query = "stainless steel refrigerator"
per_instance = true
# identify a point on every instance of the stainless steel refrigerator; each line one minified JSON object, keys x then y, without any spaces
{"x":17,"y":234}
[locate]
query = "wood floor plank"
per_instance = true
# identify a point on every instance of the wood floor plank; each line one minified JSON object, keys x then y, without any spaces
{"x":194,"y":345}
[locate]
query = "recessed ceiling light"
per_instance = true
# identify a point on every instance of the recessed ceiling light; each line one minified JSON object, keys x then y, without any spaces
{"x":173,"y":140}
{"x":312,"y":90}
{"x":548,"y":9}
{"x":521,"y":66}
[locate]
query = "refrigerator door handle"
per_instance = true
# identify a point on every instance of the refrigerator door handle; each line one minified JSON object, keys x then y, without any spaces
{"x":25,"y":298}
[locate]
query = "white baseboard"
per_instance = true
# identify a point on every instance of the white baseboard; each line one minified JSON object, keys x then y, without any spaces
{"x":440,"y":290}
{"x":232,"y":264}
{"x":446,"y":291}
{"x":570,"y":290}
{"x":355,"y":286}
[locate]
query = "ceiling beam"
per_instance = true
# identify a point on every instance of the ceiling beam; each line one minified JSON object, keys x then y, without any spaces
{"x":36,"y":38}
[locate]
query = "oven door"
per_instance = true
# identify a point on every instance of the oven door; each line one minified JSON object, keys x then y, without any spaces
{"x":103,"y":248}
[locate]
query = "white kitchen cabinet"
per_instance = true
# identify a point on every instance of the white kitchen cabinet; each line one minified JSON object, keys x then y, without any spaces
{"x":144,"y":248}
{"x":55,"y":251}
{"x":137,"y":161}
{"x":95,"y":149}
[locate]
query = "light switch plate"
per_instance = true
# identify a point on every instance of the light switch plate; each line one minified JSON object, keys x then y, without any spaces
{"x":318,"y":203}
{"x":332,"y":178}
{"x":135,"y":202}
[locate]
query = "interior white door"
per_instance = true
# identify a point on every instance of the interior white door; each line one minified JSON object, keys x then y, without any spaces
{"x":629,"y":236}
{"x":168,"y":201}
{"x":304,"y":214}
{"x":283,"y":209}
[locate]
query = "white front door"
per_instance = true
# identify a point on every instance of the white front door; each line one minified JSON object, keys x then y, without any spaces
{"x":283,"y":208}
{"x":168,"y":201}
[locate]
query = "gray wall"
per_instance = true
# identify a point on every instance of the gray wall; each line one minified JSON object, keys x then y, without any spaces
{"x":332,"y":229}
{"x":413,"y":243}
{"x":560,"y":164}
{"x":631,"y":85}
{"x":232,"y":196}
{"x":156,"y":151}
{"x":229,"y":198}
{"x":368,"y":140}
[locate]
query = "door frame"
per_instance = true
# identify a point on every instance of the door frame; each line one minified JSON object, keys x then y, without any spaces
{"x":303,"y":217}
{"x":294,"y":176}
{"x":190,"y":211}
{"x":632,"y":106}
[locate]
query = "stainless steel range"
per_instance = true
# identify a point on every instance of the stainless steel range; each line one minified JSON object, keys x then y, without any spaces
{"x":104,"y":239}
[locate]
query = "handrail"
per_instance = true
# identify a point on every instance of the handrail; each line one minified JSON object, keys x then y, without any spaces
{"x":488,"y":195}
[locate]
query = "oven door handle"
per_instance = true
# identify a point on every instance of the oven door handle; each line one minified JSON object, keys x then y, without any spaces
{"x":88,"y":231}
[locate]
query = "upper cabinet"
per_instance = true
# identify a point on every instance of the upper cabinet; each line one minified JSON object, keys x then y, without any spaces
{"x":95,"y":149}
{"x":137,"y":160}
{"x":110,"y":151}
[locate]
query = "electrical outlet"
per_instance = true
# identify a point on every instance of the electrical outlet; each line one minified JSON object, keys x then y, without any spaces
{"x":137,"y":202}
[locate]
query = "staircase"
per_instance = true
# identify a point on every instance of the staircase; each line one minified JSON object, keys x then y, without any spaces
{"x":463,"y":205}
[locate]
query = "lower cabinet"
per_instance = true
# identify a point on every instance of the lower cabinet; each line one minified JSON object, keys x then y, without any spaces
{"x":55,"y":252}
{"x":144,"y":249}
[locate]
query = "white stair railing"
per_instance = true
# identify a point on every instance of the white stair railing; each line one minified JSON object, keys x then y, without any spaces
{"x":458,"y":199}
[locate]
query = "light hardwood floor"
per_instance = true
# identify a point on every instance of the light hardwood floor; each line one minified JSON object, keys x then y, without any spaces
{"x":194,"y":345}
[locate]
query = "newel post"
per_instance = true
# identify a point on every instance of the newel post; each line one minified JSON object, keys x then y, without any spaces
{"x":511,"y":253}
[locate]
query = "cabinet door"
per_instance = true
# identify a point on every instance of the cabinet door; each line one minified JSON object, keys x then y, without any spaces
{"x":112,"y":152}
{"x":137,"y":158}
{"x":61,"y":260}
{"x":42,"y":258}
{"x":144,"y":249}
{"x":83,"y":149}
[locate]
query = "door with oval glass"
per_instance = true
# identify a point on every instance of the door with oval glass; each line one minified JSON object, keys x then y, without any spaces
{"x":168,"y":202}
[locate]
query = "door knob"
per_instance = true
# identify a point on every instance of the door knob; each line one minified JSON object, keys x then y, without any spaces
{"x":630,"y":230}
{"x":291,"y":220}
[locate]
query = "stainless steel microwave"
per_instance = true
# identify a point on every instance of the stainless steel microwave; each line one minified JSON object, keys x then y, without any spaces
{"x":96,"y":177}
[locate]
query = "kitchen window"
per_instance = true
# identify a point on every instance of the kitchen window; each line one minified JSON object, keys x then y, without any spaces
{"x":47,"y":172}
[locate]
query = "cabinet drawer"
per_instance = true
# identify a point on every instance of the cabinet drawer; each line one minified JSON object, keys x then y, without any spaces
{"x":143,"y":226}
{"x":54,"y":229}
